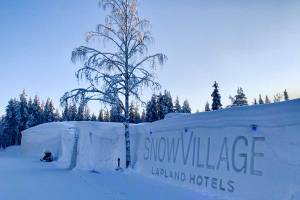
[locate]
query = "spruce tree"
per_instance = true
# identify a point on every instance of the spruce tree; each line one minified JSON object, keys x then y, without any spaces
{"x":101,"y":116}
{"x":106,"y":116}
{"x":93,"y":118}
{"x":216,"y":98}
{"x":186,"y":107}
{"x":177,"y":107}
{"x":267,"y":100}
{"x":286,"y":96}
{"x":151,"y":109}
{"x":73,"y":112}
{"x":131,"y":113}
{"x":12,"y":122}
{"x":255,"y":101}
{"x":260,"y":100}
{"x":65,"y":113}
{"x":48,"y":114}
{"x":207,"y":108}
{"x":23,"y":111}
{"x":240,"y":98}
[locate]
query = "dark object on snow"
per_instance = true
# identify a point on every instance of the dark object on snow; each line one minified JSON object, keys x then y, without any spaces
{"x":119,"y":167}
{"x":47,"y":157}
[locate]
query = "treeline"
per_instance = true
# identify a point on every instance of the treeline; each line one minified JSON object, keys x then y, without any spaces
{"x":240,"y":99}
{"x":23,"y":112}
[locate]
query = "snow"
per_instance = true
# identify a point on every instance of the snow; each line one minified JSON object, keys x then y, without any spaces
{"x":218,"y":153}
{"x":26,"y":178}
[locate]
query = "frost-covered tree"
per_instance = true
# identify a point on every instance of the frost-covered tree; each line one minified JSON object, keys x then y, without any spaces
{"x":267,"y":100}
{"x":164,"y":104}
{"x":93,"y":118}
{"x":72,"y":116}
{"x":65,"y":112}
{"x":277,"y":97}
{"x":12,"y":122}
{"x":106,"y":117}
{"x":240,"y":98}
{"x":35,"y":112}
{"x":24,"y":115}
{"x":255,"y":101}
{"x":260,"y":100}
{"x":49,"y":109}
{"x":207,"y":108}
{"x":151,"y":109}
{"x":177,"y":106}
{"x":186,"y":107}
{"x":123,"y":66}
{"x":116,"y":113}
{"x":286,"y":96}
{"x":216,"y":98}
{"x":101,"y":116}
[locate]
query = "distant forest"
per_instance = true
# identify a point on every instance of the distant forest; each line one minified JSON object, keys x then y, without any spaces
{"x":23,"y":112}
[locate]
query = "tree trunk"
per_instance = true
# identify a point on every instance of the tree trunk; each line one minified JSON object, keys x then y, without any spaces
{"x":127,"y":136}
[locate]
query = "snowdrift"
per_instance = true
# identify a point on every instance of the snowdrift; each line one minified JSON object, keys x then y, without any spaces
{"x":249,"y":153}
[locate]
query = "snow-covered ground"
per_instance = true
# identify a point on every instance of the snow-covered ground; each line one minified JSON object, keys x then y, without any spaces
{"x":27,"y":178}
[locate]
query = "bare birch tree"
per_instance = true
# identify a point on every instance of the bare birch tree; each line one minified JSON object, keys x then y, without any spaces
{"x":118,"y":70}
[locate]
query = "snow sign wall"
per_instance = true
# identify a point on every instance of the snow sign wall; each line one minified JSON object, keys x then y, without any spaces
{"x":248,"y":153}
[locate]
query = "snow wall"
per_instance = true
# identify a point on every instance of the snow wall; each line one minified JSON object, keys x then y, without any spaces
{"x":248,"y":153}
{"x":83,"y":145}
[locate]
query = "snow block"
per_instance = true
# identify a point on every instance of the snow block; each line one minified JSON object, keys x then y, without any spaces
{"x":220,"y":152}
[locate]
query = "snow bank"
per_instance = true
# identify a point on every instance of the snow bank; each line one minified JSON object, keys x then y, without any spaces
{"x":248,"y":153}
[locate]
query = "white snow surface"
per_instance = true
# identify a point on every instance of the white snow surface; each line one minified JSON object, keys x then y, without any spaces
{"x":98,"y":146}
{"x":26,"y":178}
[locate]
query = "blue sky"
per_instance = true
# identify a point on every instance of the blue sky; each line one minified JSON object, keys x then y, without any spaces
{"x":252,"y":44}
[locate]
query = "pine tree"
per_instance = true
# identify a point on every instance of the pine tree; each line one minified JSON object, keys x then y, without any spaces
{"x":240,"y":98}
{"x":216,"y":101}
{"x":207,"y":108}
{"x":255,"y":101}
{"x":131,"y":113}
{"x":186,"y":107}
{"x":286,"y":96}
{"x":57,"y":116}
{"x":65,"y":113}
{"x":86,"y":114}
{"x":101,"y":116}
{"x":93,"y":118}
{"x":267,"y":100}
{"x":151,"y":109}
{"x":72,"y":112}
{"x":23,"y":111}
{"x":277,"y":98}
{"x":80,"y":111}
{"x":116,"y":114}
{"x":177,"y":107}
{"x":48,"y":114}
{"x":164,"y":104}
{"x":36,"y":113}
{"x":260,"y":100}
{"x":106,"y":116}
{"x":12,"y":122}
